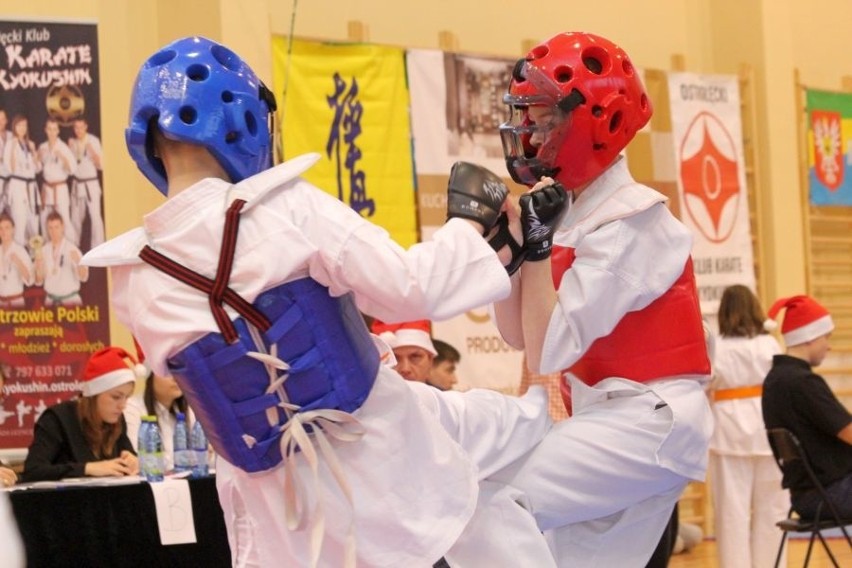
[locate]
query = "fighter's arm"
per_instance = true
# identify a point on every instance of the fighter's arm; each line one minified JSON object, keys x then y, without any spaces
{"x":479,"y":196}
{"x":508,"y":315}
{"x":507,"y":312}
{"x":541,"y":210}
{"x":538,"y":298}
{"x":476,"y":194}
{"x":456,"y":270}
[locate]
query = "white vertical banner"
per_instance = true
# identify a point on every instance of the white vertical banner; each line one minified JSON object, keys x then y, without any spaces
{"x":456,"y":107}
{"x":707,"y":134}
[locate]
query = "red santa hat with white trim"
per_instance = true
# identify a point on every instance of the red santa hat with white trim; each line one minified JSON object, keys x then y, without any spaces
{"x":108,"y":368}
{"x":140,"y":356}
{"x":805,"y":319}
{"x":406,"y":334}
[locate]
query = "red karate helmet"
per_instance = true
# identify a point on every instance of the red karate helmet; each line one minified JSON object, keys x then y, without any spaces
{"x":598,"y":103}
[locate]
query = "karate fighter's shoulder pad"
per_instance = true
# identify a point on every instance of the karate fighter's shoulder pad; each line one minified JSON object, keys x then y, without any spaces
{"x":253,"y":189}
{"x":626,"y":201}
{"x":631,"y":199}
{"x":120,"y":250}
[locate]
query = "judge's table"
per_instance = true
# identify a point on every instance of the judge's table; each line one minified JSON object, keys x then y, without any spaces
{"x":118,"y":522}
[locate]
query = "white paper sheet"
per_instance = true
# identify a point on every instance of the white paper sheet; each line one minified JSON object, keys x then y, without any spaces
{"x":174,"y":511}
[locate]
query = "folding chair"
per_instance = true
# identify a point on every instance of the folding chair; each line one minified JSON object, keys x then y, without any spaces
{"x":788,"y":454}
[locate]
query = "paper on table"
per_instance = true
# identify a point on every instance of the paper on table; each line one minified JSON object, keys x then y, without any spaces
{"x":79,"y":482}
{"x":174,"y":511}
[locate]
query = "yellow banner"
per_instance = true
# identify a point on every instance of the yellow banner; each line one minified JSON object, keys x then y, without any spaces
{"x":349,"y":102}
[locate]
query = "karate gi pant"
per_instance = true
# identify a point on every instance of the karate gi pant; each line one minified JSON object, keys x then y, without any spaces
{"x":22,"y":209}
{"x":747,"y":502}
{"x":603,"y":483}
{"x":410,"y":509}
{"x":86,"y":200}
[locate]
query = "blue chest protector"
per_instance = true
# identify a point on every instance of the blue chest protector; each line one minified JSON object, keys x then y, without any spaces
{"x":332,"y":365}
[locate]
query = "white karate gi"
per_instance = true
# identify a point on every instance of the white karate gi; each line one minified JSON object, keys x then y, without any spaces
{"x":58,"y":164}
{"x":745,"y":480}
{"x":61,"y":277}
{"x":415,"y":473}
{"x":12,"y":282}
{"x":86,"y":191}
{"x":21,"y":189}
{"x":604,"y":482}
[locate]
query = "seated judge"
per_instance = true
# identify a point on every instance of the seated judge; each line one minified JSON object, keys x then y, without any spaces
{"x":412,"y":347}
{"x":87,"y":436}
{"x":162,"y":398}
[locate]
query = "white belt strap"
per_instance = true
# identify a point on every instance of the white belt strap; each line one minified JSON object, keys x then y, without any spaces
{"x":323,"y":423}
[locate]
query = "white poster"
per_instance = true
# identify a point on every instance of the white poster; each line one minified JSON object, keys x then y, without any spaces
{"x":456,"y":109}
{"x":707,"y":133}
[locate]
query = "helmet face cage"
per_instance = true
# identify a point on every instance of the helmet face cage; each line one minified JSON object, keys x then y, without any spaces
{"x":592,"y":81}
{"x":528,"y":162}
{"x":197,"y":91}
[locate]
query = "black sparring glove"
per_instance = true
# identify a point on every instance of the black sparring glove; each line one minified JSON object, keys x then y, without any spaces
{"x":503,"y":237}
{"x":541,"y":212}
{"x":475,"y":193}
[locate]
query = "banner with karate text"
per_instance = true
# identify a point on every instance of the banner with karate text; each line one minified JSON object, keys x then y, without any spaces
{"x":53,"y":312}
{"x":829,"y":147}
{"x":456,"y":109}
{"x":707,"y":136}
{"x":349,"y":102}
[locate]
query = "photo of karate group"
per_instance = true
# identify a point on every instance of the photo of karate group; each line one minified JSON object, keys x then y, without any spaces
{"x":53,"y":310}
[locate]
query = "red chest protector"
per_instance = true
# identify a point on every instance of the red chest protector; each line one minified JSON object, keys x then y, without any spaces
{"x":662,"y":340}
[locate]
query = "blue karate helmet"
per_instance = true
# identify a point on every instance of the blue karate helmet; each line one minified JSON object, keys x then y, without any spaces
{"x":201,"y":92}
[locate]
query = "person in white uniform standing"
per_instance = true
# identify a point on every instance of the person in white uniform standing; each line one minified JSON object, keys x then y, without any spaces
{"x":5,"y":138}
{"x":58,"y":267}
{"x":246,"y":285}
{"x":746,"y":482}
{"x":606,"y":293}
{"x":86,"y":191}
{"x":16,"y":268}
{"x":58,"y":164}
{"x":21,"y":159}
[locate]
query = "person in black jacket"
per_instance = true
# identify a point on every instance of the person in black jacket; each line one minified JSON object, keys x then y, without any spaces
{"x":800,"y":400}
{"x":87,"y":436}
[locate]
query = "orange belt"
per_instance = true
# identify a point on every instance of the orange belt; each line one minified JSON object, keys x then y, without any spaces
{"x":739,"y":392}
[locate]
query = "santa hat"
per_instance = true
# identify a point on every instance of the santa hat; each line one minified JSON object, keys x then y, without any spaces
{"x":804,"y":320}
{"x":140,"y":356}
{"x":107,"y":369}
{"x":407,"y":334}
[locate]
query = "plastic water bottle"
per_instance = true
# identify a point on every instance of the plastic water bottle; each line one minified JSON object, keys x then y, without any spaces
{"x":184,"y":456}
{"x":151,"y":449}
{"x":141,"y":447}
{"x":199,"y":446}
